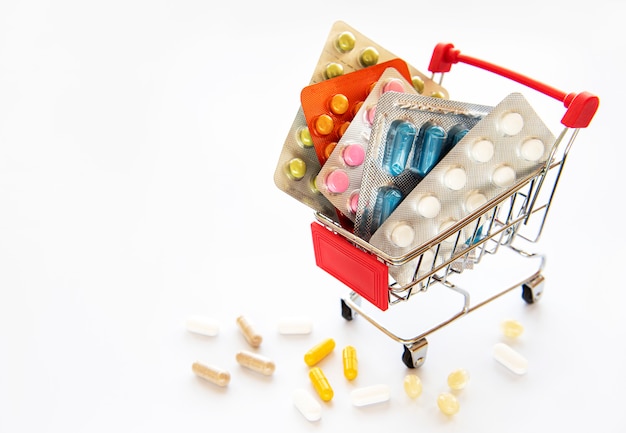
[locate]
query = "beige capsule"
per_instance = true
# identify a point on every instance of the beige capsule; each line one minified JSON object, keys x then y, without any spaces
{"x":254,"y":361}
{"x":248,"y":331}
{"x":211,"y":373}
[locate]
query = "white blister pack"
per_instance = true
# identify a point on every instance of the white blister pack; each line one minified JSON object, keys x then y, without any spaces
{"x":506,"y":147}
{"x":410,"y":134}
{"x":339,"y":179}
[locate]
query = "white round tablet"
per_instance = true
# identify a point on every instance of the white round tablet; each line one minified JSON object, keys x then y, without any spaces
{"x":445,"y":226}
{"x":511,"y":123}
{"x":402,"y":235}
{"x":503,"y":176}
{"x":474,"y":201}
{"x":532,"y":149}
{"x":429,"y":206}
{"x":482,"y":150}
{"x":426,"y":263}
{"x":455,"y":178}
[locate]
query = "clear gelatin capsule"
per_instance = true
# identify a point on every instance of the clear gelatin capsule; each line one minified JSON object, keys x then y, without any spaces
{"x":458,"y":379}
{"x":368,"y":395}
{"x":350,"y":363}
{"x":428,"y":149}
{"x":321,"y":384}
{"x":387,"y":200}
{"x":319,"y":352}
{"x":248,"y":331}
{"x":412,"y":385}
{"x":512,"y":328}
{"x":448,"y":403}
{"x":398,"y":145}
{"x":254,"y":361}
{"x":211,"y":373}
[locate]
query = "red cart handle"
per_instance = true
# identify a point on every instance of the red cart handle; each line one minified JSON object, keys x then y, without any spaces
{"x":581,"y":107}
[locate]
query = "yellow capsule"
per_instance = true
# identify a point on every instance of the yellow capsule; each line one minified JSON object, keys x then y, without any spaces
{"x":319,"y":352}
{"x":248,"y":331}
{"x":512,"y":328}
{"x":350,"y":363}
{"x":448,"y":403}
{"x":256,"y":362}
{"x":458,"y":379}
{"x":412,"y":385}
{"x":320,"y":383}
{"x":211,"y":373}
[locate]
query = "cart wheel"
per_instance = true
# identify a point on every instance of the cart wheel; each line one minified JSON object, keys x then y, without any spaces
{"x":532,"y":289}
{"x":346,"y":311}
{"x":414,"y":354}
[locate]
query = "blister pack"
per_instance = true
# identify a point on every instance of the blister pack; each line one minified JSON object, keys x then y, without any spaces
{"x":507,"y":146}
{"x":330,"y":106}
{"x":339,"y":179}
{"x":410,"y":135}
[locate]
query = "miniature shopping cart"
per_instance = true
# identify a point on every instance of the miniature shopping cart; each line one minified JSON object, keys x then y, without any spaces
{"x":515,"y":216}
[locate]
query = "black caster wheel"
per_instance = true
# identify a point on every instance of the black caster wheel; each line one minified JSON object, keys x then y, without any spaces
{"x":414,"y":354}
{"x":532,"y":290}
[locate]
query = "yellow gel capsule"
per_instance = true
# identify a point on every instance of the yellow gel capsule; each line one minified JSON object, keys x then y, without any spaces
{"x":305,"y":138}
{"x":345,"y":42}
{"x":296,"y":168}
{"x":512,"y":328}
{"x":448,"y":403}
{"x":256,"y":362}
{"x":211,"y":373}
{"x":339,"y":104}
{"x":324,"y":124}
{"x":319,"y":352}
{"x":369,"y":56}
{"x":418,"y":83}
{"x":320,"y":383}
{"x":412,"y":385}
{"x":458,"y":379}
{"x":350,"y":363}
{"x":333,"y":70}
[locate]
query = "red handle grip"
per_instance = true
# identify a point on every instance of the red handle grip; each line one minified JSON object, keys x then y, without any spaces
{"x":581,"y":107}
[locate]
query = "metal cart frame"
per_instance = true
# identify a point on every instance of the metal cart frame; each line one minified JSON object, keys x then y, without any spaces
{"x":498,"y":223}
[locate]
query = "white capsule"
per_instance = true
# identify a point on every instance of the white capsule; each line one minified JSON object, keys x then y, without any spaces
{"x":308,"y":406}
{"x":295,"y":325}
{"x":510,"y":358}
{"x":370,"y":395}
{"x":202,"y":325}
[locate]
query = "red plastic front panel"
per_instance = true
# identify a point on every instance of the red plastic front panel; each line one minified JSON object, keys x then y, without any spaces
{"x":360,"y":271}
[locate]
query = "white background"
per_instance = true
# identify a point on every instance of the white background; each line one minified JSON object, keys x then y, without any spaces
{"x":138,"y":142}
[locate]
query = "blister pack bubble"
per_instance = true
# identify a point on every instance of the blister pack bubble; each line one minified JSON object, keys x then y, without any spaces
{"x":340,"y":178}
{"x":407,"y":128}
{"x":330,"y":106}
{"x":506,"y":147}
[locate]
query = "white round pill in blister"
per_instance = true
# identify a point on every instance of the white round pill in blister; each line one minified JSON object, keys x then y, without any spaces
{"x":308,"y":406}
{"x":482,"y":150}
{"x":402,"y":235}
{"x":455,"y":178}
{"x":429,"y":206}
{"x":202,"y":325}
{"x":427,"y":262}
{"x":445,"y":226}
{"x":511,"y":123}
{"x":532,"y":149}
{"x":474,"y":201}
{"x":503,"y":176}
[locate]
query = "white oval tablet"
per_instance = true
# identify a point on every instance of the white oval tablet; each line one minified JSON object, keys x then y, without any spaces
{"x":510,"y":358}
{"x":429,"y":206}
{"x":308,"y":406}
{"x":511,"y":123}
{"x":370,"y":395}
{"x":532,"y":149}
{"x":402,"y":235}
{"x":202,"y":325}
{"x":295,"y":325}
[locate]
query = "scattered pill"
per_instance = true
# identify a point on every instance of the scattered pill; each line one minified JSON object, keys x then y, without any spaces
{"x":211,"y":373}
{"x":321,"y":384}
{"x":412,"y":385}
{"x":458,"y":379}
{"x":510,"y":358}
{"x":350,"y":363}
{"x":254,"y":361}
{"x":295,"y":325}
{"x":308,"y":406}
{"x":319,"y":352}
{"x":512,"y":328}
{"x":202,"y":325}
{"x":368,"y":395}
{"x":448,"y":403}
{"x":252,"y":337}
{"x":511,"y":123}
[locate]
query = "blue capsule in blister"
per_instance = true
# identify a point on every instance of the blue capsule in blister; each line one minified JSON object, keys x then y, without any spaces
{"x":387,"y":200}
{"x":398,"y":145}
{"x":428,"y":149}
{"x":455,"y":134}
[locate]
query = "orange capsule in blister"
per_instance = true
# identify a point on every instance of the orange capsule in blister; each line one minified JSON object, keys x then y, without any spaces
{"x":350,"y":363}
{"x":319,"y":352}
{"x":321,"y":384}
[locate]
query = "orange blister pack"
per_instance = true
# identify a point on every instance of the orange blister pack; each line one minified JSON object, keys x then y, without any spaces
{"x":330,"y":106}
